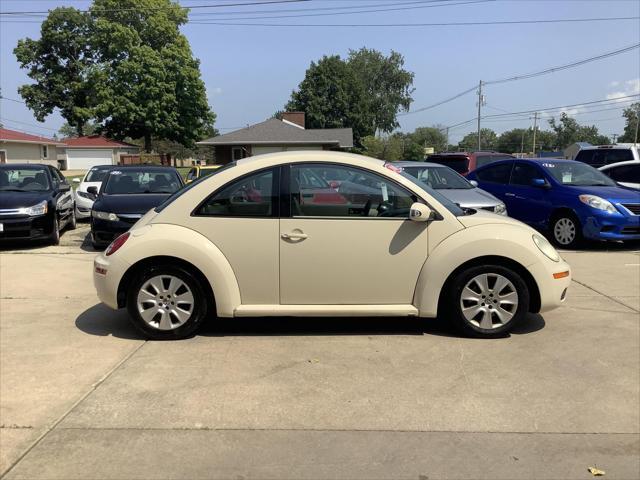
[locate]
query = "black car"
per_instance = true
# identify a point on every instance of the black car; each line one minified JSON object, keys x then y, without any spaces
{"x":36,"y":203}
{"x":126,"y":194}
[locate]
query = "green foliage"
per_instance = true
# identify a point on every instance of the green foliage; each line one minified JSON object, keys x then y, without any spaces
{"x":569,"y":131}
{"x":67,"y":130}
{"x":430,"y":137}
{"x":125,"y":65}
{"x":388,"y":148}
{"x":59,"y":63}
{"x":488,"y":137}
{"x":364,"y":92}
{"x":632,"y":117}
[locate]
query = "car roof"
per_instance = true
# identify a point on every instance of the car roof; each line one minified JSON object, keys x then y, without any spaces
{"x":617,"y":164}
{"x":209,"y":166}
{"x":146,"y":168}
{"x":610,"y":147}
{"x":409,"y":163}
{"x":7,"y":166}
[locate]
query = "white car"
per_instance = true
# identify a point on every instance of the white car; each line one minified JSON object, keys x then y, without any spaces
{"x":267,"y":236}
{"x":84,"y":199}
{"x":626,"y":174}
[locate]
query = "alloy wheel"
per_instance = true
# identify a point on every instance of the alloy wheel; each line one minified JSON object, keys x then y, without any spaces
{"x":489,"y":301}
{"x":165,"y":302}
{"x":564,"y":231}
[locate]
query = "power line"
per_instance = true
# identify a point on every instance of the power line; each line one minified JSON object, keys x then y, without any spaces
{"x":3,"y":119}
{"x":11,"y":99}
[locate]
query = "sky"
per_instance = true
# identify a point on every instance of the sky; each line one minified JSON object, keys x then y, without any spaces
{"x":250,"y":71}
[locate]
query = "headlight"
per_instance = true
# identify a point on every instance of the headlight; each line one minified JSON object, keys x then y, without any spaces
{"x":39,"y":209}
{"x":598,"y":203}
{"x":500,"y":209}
{"x":86,"y":195}
{"x":104,"y":215}
{"x":545,"y":247}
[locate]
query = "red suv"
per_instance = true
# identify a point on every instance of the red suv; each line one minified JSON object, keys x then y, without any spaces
{"x":465,"y":162}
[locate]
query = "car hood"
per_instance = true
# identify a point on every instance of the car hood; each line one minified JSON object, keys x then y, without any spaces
{"x":613,"y":194}
{"x":135,"y":204}
{"x":470,"y":197}
{"x":10,"y":200}
{"x":483,"y":217}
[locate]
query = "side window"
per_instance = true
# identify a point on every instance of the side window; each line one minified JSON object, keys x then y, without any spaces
{"x":357,"y":193}
{"x":192,"y":174}
{"x":524,"y":173}
{"x":496,"y":173}
{"x":251,"y":196}
{"x":617,"y":155}
{"x":625,"y":173}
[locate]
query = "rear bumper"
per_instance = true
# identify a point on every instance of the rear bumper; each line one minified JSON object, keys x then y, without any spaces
{"x":107,"y":274}
{"x":26,"y":228}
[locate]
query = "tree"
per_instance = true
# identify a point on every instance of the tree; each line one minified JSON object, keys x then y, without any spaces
{"x":148,"y":83}
{"x":470,"y":140}
{"x":569,"y":131}
{"x":387,"y":148}
{"x":332,"y":97}
{"x":430,"y":137}
{"x":59,"y":63}
{"x":387,"y":86}
{"x":67,"y":130}
{"x":632,"y":117}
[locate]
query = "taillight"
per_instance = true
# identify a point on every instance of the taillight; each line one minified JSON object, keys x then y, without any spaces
{"x":116,"y":244}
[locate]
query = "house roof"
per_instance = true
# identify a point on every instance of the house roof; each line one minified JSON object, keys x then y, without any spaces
{"x":277,"y":132}
{"x":14,"y":136}
{"x":95,"y":141}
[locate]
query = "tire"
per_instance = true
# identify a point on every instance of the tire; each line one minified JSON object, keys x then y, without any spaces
{"x":54,"y":238}
{"x":166,"y":302}
{"x":496,"y":313}
{"x":72,"y":223}
{"x":565,"y":230}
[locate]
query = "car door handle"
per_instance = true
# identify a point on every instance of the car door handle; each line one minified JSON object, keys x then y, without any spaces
{"x":294,"y":236}
{"x":509,"y":194}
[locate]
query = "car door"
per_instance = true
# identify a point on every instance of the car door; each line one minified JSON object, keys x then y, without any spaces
{"x":495,"y":180}
{"x":350,"y":245}
{"x":527,"y":202}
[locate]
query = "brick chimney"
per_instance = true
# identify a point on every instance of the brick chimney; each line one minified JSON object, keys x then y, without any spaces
{"x":297,"y":118}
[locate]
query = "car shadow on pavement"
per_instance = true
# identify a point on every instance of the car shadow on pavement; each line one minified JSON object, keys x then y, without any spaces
{"x":101,"y":321}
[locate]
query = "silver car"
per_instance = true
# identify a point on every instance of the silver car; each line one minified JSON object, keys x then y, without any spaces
{"x":453,"y":186}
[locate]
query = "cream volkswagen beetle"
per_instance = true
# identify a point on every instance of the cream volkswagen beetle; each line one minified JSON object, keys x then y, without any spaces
{"x":325,"y":234}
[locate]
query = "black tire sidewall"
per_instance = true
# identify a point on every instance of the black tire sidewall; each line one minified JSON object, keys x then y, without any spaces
{"x":577,"y":239}
{"x":55,"y":231}
{"x":73,"y":223}
{"x":200,"y":307}
{"x":461,"y":280}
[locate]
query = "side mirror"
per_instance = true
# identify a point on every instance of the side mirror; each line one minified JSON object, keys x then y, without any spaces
{"x":540,"y":183}
{"x":76,"y":180}
{"x":93,"y":191}
{"x":419,"y":212}
{"x":474,"y":183}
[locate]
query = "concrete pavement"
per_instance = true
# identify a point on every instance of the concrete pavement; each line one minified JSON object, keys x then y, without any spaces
{"x":82,"y":396}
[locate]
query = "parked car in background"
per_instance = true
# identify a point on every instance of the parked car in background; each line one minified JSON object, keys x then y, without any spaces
{"x":464,"y":162}
{"x":569,"y":199}
{"x":84,"y":199}
{"x":36,"y":203}
{"x":603,"y":155}
{"x":626,"y":174}
{"x":214,"y":249}
{"x":200,"y":171}
{"x":453,"y":186}
{"x":125,"y":196}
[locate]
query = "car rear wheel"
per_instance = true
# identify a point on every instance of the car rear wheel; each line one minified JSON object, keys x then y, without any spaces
{"x":487,"y":300}
{"x":166,"y":303}
{"x":566,"y":230}
{"x":73,"y":222}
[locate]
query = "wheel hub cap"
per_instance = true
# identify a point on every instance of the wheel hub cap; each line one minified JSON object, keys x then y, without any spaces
{"x":564,"y":231}
{"x":165,"y":302}
{"x":489,"y":301}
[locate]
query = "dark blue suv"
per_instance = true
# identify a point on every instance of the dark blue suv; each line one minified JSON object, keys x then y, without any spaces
{"x":569,"y":199}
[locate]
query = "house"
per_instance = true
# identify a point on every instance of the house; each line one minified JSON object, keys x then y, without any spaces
{"x":82,"y":153}
{"x":572,"y":150}
{"x":19,"y":147}
{"x":276,"y":135}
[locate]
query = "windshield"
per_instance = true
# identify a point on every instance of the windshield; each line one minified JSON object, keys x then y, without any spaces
{"x":24,"y":180}
{"x":458,"y":163}
{"x":97,"y":174}
{"x":448,"y":204}
{"x":578,"y":174}
{"x":439,"y":178}
{"x":183,"y":190}
{"x":132,"y":181}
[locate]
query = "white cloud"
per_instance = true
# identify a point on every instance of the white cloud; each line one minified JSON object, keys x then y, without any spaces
{"x":626,"y":88}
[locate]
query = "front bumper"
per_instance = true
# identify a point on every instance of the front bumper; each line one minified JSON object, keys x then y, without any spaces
{"x":612,"y":227}
{"x":553,"y":291}
{"x":83,"y":206}
{"x":107,"y":274}
{"x":26,"y":228}
{"x":103,"y":232}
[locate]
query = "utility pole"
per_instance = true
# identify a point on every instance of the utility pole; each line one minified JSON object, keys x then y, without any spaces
{"x":614,"y":136}
{"x":535,"y":125}
{"x":522,"y":143}
{"x":635,"y":140}
{"x":480,"y":102}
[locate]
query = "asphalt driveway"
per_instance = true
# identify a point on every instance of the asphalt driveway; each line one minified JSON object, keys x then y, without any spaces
{"x":82,"y":396}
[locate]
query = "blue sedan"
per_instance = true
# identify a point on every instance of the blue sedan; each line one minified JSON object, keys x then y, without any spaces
{"x":571,"y":200}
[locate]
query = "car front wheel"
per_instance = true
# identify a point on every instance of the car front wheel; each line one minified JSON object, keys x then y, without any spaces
{"x":54,"y":237}
{"x":487,"y":300}
{"x":565,"y":230}
{"x":166,"y":303}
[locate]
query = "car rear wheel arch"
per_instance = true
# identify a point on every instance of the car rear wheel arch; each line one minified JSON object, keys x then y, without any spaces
{"x":131,"y":273}
{"x":534,"y":291}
